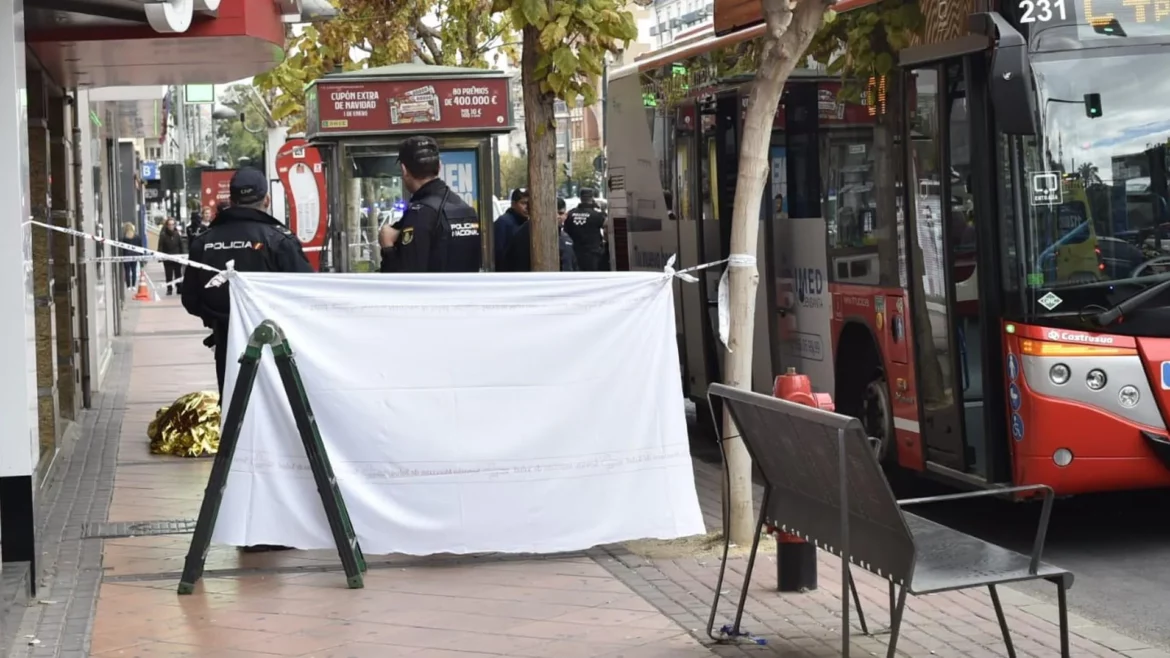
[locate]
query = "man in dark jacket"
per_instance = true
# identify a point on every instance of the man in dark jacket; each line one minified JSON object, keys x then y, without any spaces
{"x":518,"y":256}
{"x":244,"y":233}
{"x":506,"y":225}
{"x":438,"y":232}
{"x":584,"y":225}
{"x":195,"y":227}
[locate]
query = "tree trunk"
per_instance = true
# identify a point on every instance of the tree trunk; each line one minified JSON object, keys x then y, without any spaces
{"x":790,"y":29}
{"x":540,"y":124}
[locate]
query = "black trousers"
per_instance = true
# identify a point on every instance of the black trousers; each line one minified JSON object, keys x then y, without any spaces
{"x":221,"y":356}
{"x":589,"y":260}
{"x":174,"y":271}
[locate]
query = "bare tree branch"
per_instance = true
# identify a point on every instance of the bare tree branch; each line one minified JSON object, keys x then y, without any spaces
{"x":430,"y":38}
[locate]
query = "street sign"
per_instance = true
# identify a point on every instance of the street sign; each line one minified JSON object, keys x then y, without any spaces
{"x":149,"y":170}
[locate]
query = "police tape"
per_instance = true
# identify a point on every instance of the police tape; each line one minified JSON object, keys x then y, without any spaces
{"x":122,"y":259}
{"x":158,"y":255}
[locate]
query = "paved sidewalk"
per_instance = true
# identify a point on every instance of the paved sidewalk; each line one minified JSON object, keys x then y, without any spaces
{"x":295,"y":603}
{"x":109,"y":594}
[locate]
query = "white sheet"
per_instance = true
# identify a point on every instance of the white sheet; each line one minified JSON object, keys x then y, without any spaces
{"x":466,"y":413}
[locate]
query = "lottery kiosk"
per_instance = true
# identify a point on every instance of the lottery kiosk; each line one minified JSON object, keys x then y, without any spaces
{"x":357,"y":120}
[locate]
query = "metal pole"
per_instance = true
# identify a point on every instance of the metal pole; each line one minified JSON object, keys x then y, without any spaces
{"x":843,"y":464}
{"x":605,"y":110}
{"x":214,"y":141}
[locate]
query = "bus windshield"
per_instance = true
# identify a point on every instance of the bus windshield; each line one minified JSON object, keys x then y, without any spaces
{"x":1096,"y":202}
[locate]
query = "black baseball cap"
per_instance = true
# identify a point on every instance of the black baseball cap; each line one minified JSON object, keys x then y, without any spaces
{"x":248,"y":186}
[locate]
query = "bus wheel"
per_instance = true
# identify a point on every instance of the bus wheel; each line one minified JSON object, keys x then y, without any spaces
{"x":877,"y":416}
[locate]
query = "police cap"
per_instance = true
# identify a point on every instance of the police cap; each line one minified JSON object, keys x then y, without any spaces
{"x":248,"y":186}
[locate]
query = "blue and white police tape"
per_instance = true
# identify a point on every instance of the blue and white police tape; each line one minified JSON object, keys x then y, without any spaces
{"x":157,"y":255}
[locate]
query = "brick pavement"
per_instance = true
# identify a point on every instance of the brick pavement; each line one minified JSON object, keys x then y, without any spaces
{"x":289,"y":603}
{"x":116,"y":597}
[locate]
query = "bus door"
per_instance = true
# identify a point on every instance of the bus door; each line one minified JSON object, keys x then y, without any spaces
{"x":685,"y":207}
{"x":718,"y":157}
{"x":952,"y":211}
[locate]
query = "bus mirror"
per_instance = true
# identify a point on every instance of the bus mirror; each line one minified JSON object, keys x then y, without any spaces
{"x":1010,"y":82}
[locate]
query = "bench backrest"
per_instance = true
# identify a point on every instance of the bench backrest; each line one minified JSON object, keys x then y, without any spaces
{"x":796,"y":450}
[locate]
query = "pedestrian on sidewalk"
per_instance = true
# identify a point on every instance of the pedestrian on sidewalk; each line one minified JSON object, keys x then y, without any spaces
{"x":130,"y":267}
{"x":518,"y":255}
{"x":507,"y":224}
{"x":170,"y":241}
{"x":254,"y":239}
{"x":195,"y":227}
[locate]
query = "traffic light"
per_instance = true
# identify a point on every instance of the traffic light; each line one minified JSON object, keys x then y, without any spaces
{"x":1092,"y":105}
{"x":565,"y":169}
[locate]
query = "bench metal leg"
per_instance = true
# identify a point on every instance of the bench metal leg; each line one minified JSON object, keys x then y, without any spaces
{"x":734,"y":631}
{"x":1003,"y":626}
{"x":896,"y":621}
{"x":857,"y":604}
{"x":1062,"y":603}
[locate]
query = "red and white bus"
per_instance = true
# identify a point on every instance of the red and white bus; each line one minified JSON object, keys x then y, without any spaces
{"x":974,"y":260}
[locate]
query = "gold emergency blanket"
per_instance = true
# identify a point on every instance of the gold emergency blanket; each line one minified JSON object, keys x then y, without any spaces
{"x":187,"y":428}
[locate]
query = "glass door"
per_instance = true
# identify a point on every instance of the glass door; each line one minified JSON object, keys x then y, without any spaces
{"x":374,"y":196}
{"x":934,"y":224}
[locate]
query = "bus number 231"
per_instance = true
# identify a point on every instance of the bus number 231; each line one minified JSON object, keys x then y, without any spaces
{"x":1042,"y":11}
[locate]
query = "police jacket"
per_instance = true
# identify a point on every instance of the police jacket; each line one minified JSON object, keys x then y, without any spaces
{"x":503,"y":230}
{"x":518,"y":255}
{"x":438,"y":232}
{"x":584,"y":224}
{"x":255,"y":240}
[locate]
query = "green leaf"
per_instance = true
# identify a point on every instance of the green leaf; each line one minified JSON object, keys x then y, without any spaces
{"x":564,"y":60}
{"x":535,"y":11}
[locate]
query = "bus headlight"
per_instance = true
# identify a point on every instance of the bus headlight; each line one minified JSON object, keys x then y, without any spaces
{"x":1128,"y":396}
{"x":1059,"y":374}
{"x":1096,"y":379}
{"x":1062,"y":457}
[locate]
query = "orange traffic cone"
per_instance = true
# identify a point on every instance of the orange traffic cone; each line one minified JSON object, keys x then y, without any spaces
{"x":143,"y":294}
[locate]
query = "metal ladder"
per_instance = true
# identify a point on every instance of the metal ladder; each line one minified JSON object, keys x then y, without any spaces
{"x":268,"y":333}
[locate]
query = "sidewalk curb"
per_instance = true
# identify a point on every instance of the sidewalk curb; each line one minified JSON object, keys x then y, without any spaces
{"x":690,"y":609}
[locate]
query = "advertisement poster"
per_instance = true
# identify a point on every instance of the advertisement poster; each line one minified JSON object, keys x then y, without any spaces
{"x":803,"y":287}
{"x":302,"y":174}
{"x":215,"y":184}
{"x":458,"y":169}
{"x":437,"y":105}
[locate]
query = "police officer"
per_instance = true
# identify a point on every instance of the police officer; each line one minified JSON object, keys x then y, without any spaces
{"x":518,"y":255}
{"x":438,"y":232}
{"x":584,"y":225}
{"x":256,"y":241}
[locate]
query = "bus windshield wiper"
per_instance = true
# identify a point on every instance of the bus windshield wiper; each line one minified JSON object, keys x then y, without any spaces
{"x":1108,"y":317}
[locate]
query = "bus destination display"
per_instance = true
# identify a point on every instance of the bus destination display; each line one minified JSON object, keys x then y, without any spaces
{"x":1095,"y":19}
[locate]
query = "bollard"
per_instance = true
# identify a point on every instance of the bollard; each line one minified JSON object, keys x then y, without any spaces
{"x":796,"y":559}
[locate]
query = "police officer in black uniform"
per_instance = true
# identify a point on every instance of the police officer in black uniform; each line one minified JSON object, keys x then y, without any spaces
{"x":438,"y":232}
{"x":245,"y":233}
{"x":518,"y":255}
{"x":584,"y":225}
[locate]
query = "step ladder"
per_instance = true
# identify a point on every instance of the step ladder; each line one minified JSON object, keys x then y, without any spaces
{"x":268,"y":333}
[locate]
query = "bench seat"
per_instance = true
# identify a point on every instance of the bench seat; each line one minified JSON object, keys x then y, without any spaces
{"x":947,"y":560}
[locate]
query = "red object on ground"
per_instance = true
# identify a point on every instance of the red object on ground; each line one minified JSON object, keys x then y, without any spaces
{"x":143,"y":294}
{"x":798,"y":388}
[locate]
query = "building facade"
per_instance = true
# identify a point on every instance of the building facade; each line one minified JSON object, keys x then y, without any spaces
{"x":79,"y":113}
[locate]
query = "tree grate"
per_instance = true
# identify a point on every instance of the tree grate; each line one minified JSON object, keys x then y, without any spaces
{"x":138,"y":529}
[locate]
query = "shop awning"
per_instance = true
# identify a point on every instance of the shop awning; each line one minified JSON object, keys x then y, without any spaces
{"x":102,"y":43}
